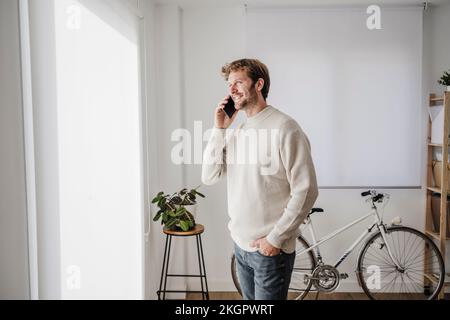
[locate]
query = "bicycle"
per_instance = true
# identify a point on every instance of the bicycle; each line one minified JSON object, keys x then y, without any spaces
{"x":392,"y":263}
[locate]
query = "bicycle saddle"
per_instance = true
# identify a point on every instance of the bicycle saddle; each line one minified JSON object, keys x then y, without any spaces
{"x":315,"y":210}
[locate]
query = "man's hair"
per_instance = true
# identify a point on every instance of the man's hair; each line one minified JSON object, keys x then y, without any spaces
{"x":255,"y":70}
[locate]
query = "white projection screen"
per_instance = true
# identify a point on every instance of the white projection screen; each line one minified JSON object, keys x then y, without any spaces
{"x":355,"y":92}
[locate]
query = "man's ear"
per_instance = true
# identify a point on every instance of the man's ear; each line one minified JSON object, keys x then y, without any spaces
{"x":260,"y":84}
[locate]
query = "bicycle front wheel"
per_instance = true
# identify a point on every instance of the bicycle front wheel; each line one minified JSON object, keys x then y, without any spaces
{"x":416,"y":274}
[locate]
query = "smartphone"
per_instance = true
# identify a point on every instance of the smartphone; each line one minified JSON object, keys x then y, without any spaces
{"x":229,"y":108}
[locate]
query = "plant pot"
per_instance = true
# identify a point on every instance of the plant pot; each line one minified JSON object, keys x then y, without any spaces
{"x":448,"y":88}
{"x":193,"y":210}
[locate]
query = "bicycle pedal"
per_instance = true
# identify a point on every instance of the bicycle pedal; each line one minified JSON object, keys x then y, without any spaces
{"x":343,"y":275}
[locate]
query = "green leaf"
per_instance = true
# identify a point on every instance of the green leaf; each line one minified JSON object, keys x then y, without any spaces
{"x":176,"y":200}
{"x":158,"y":197}
{"x":162,"y":203}
{"x":184,"y":225}
{"x":180,"y":211}
{"x":158,"y":215}
{"x":172,"y":213}
{"x":200,"y":194}
{"x":171,"y":223}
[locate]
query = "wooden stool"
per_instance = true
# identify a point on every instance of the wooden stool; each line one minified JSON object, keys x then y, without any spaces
{"x":197,"y":232}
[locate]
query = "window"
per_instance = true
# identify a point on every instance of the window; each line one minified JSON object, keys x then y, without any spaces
{"x":99,"y":136}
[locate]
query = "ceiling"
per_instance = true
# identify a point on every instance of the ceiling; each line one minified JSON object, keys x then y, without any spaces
{"x":299,"y":2}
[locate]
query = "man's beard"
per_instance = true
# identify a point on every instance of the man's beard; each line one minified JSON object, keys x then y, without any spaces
{"x":252,"y":99}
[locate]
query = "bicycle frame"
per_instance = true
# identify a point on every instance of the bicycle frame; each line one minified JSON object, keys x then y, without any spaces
{"x":377,"y":222}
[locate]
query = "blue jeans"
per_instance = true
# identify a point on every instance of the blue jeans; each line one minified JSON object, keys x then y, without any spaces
{"x":261,"y":277}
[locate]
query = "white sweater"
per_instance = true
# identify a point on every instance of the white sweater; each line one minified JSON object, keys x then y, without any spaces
{"x":267,"y":196}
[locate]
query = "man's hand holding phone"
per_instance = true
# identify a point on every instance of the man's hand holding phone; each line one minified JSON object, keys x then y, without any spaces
{"x":224,"y":109}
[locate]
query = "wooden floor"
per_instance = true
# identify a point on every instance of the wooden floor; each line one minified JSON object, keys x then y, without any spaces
{"x":311,"y":296}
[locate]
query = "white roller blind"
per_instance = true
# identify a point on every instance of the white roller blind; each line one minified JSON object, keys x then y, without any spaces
{"x":356,"y":92}
{"x":99,"y":135}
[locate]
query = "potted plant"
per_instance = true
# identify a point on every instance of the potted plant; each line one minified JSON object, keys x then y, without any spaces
{"x":175,"y":211}
{"x":445,"y":80}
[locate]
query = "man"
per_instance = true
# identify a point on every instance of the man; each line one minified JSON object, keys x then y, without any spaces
{"x":266,"y":206}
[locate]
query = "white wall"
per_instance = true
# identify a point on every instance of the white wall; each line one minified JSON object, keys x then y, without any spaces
{"x":165,"y":106}
{"x":13,"y":221}
{"x":212,"y":36}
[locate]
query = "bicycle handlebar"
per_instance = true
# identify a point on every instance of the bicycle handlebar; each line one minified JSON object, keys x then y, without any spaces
{"x":376,"y":197}
{"x":365,"y":194}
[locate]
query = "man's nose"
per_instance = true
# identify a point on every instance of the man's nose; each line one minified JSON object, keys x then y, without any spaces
{"x":233,"y":89}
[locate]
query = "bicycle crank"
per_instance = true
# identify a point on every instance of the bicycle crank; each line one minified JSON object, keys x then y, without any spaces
{"x":326,"y":278}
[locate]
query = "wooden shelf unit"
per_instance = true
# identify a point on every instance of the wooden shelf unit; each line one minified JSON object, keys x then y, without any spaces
{"x":437,"y":145}
{"x":435,"y":235}
{"x":441,"y":236}
{"x":435,"y":190}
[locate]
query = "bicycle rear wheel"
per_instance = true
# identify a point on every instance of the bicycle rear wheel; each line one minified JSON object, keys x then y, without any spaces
{"x":304,"y":265}
{"x":234,"y":274}
{"x":421,"y":273}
